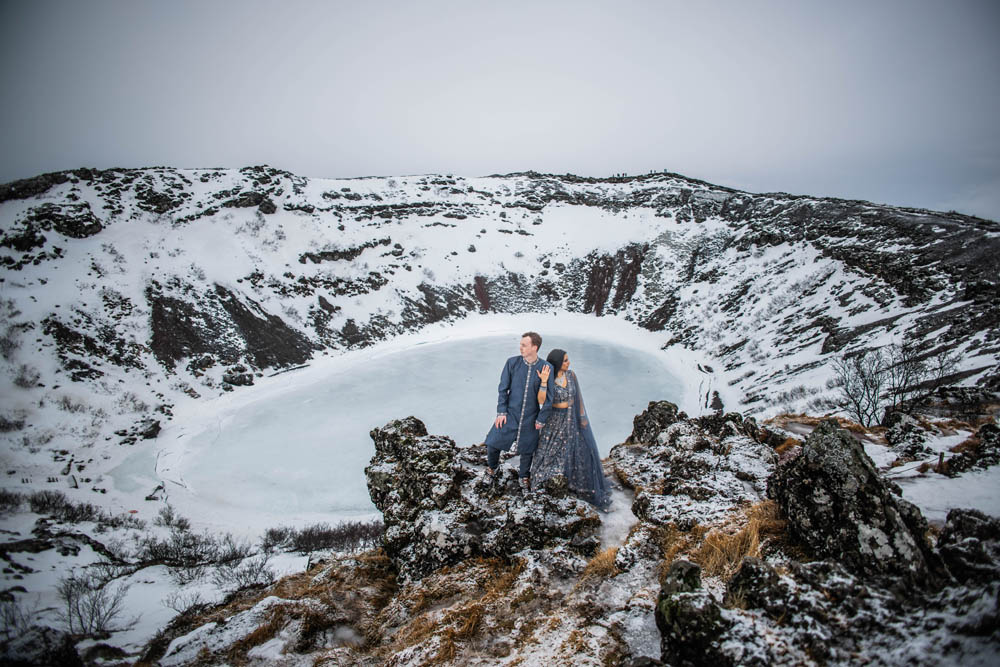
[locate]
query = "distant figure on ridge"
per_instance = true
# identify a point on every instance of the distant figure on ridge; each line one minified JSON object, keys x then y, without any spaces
{"x":519,"y":415}
{"x":567,"y":446}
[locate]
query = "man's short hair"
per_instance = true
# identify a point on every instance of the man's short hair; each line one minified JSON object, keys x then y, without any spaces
{"x":536,"y":340}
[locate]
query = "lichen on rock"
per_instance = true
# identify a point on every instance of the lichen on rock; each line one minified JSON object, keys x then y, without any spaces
{"x":838,"y":505}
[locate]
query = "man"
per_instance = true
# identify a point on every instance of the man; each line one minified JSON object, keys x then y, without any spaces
{"x":519,"y":417}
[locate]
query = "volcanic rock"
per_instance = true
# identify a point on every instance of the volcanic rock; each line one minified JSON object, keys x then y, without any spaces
{"x":685,"y":475}
{"x":985,"y":454}
{"x":439,"y":507}
{"x":969,"y":544}
{"x":907,"y":437}
{"x":839,"y":507}
{"x":653,"y":420}
{"x":688,"y":618}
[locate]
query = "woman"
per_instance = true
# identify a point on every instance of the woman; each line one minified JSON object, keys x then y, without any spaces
{"x":566,"y":445}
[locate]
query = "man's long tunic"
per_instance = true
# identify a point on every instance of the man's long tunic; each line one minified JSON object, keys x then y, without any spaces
{"x":518,"y":399}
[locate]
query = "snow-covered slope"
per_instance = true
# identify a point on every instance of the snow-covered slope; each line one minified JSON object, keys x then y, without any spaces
{"x":127,"y":291}
{"x":127,"y":295}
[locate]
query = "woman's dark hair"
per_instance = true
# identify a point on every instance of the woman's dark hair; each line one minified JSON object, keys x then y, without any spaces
{"x":556,"y":358}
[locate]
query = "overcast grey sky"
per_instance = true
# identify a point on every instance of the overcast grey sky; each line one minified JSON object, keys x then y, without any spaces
{"x":895,"y":102}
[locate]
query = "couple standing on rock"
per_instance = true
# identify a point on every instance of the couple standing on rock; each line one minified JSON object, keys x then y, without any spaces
{"x":540,"y":413}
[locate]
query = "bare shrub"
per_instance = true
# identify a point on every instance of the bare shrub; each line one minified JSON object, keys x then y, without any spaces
{"x":58,"y":506}
{"x":252,"y":571}
{"x":120,"y":521}
{"x":349,"y":535}
{"x":10,"y":501}
{"x":26,"y":377}
{"x":130,"y":402}
{"x":275,"y":538}
{"x":876,"y":381}
{"x":90,"y":607}
{"x":66,"y":403}
{"x":189,"y":555}
{"x":182,"y":549}
{"x":862,"y":382}
{"x":169,"y":518}
{"x":99,"y":417}
{"x":10,"y":340}
{"x":46,"y":502}
{"x":232,"y":550}
{"x":182,"y":602}
{"x":105,"y":571}
{"x":14,"y":618}
{"x":8,"y":424}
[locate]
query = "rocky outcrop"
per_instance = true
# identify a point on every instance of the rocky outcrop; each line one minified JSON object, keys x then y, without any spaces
{"x":263,"y":203}
{"x":839,"y":507}
{"x":866,"y":600}
{"x":689,"y":619}
{"x":223,"y":325}
{"x":473,"y":573}
{"x":984,"y":453}
{"x":648,"y":425}
{"x":907,"y":437}
{"x":821,"y":613}
{"x":691,"y":471}
{"x":439,"y":507}
{"x":969,"y":545}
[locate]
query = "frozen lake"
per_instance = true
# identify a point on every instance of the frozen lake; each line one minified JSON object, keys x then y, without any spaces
{"x":299,"y":455}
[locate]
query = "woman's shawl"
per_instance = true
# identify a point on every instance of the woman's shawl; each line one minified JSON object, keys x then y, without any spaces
{"x":585,"y":460}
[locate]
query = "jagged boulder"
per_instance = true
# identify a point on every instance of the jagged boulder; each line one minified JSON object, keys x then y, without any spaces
{"x":652,"y":421}
{"x":724,"y":425}
{"x":906,"y":437}
{"x":839,"y":507}
{"x":238,"y":376}
{"x":969,"y":544}
{"x":688,"y":618}
{"x":439,"y":507}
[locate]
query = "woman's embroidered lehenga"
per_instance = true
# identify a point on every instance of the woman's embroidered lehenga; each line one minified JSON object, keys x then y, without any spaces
{"x":567,"y":447}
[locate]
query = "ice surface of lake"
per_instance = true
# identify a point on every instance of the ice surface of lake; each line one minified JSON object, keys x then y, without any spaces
{"x":301,"y":454}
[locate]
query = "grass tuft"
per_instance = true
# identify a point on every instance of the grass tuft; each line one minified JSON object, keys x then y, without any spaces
{"x":602,"y":566}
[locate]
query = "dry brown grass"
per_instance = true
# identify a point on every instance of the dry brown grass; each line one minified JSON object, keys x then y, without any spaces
{"x":447,"y":649}
{"x":358,"y":586}
{"x":526,"y":633}
{"x":970,"y":444}
{"x":236,"y":654}
{"x":675,"y":542}
{"x":719,"y":550}
{"x":463,"y":620}
{"x":602,"y":565}
{"x":953,"y":426}
{"x":787,"y":444}
{"x":722,"y":550}
{"x":574,"y":643}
